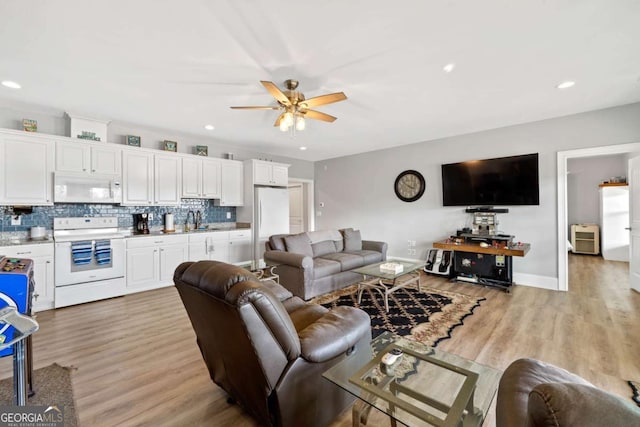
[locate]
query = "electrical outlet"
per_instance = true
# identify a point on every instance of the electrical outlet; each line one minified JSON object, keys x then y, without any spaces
{"x":228,"y":215}
{"x":16,"y":219}
{"x":150,"y":216}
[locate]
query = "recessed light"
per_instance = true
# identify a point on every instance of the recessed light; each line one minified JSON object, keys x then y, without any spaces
{"x":566,"y":85}
{"x":10,"y":84}
{"x":303,"y":148}
{"x":449,"y":68}
{"x":209,"y":127}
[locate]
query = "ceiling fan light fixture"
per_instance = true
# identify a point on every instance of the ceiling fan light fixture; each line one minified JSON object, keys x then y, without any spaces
{"x":288,"y":118}
{"x":300,"y":123}
{"x":283,"y":126}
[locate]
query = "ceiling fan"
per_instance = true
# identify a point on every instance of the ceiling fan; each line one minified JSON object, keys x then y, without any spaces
{"x":295,"y":107}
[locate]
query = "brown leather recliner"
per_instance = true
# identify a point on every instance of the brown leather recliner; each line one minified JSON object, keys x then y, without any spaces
{"x":268,"y":349}
{"x":537,"y":394}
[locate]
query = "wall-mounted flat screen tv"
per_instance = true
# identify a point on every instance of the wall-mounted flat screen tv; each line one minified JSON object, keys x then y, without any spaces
{"x":504,"y":181}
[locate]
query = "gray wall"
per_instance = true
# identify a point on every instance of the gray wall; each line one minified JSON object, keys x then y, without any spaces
{"x":583,"y":197}
{"x":357,"y":191}
{"x":54,"y":122}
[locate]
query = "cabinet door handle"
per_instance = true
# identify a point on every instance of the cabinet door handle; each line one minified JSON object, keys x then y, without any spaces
{"x":48,"y":262}
{"x":84,"y":170}
{"x":23,"y":253}
{"x":93,"y":170}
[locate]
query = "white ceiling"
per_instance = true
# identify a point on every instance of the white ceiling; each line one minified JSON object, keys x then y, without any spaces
{"x":180,"y":64}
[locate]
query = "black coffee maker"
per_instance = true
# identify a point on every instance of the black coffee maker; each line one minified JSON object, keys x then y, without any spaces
{"x":141,"y":223}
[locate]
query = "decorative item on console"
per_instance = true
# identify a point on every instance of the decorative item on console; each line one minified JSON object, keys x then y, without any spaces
{"x":87,"y":128}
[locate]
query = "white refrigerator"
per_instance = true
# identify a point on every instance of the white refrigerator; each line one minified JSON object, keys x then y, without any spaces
{"x":271,"y":216}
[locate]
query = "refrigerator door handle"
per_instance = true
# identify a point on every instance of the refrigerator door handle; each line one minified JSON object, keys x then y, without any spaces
{"x":260,"y":214}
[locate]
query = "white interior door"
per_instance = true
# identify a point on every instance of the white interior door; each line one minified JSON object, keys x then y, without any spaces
{"x":634,"y":202}
{"x":296,"y":209}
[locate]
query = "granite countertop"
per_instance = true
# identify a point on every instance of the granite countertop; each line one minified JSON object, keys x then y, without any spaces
{"x":210,"y":228}
{"x":23,"y":241}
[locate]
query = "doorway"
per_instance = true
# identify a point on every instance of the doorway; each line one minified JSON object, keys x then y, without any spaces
{"x":301,"y":215}
{"x":563,"y":221}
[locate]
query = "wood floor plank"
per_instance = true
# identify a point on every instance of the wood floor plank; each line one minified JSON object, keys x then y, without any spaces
{"x":137,"y":362}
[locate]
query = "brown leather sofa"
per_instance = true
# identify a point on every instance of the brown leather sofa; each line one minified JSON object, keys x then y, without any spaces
{"x":537,"y":394}
{"x":267,"y":348}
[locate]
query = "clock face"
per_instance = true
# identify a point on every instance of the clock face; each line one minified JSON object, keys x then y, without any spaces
{"x":409,"y":186}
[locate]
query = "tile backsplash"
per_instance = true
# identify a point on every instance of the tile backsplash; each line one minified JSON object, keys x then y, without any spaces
{"x":44,"y":215}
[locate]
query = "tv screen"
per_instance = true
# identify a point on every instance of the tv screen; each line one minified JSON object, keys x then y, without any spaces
{"x":504,"y":181}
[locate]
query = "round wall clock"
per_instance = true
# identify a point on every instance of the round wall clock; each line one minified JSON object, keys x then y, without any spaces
{"x":409,"y":186}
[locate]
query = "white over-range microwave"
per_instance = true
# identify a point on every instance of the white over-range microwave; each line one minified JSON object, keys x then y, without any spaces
{"x":82,"y":188}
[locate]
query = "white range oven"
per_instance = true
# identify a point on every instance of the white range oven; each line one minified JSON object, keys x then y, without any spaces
{"x":89,"y":259}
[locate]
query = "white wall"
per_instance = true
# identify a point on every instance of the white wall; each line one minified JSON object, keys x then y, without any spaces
{"x":358,"y":190}
{"x":585,"y":173}
{"x":53,"y":121}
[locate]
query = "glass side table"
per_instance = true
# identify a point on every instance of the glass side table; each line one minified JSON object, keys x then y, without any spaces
{"x":424,"y":387}
{"x":262,"y":270}
{"x":21,"y":327}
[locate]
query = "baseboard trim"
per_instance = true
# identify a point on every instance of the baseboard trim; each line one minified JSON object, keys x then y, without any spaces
{"x":536,"y":281}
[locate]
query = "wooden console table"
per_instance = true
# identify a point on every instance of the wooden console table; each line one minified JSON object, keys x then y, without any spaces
{"x":496,"y":272}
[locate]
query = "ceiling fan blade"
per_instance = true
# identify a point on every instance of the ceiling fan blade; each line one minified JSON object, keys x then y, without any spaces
{"x":255,"y":108}
{"x":323,"y":100}
{"x":276,"y":93}
{"x":279,"y":119}
{"x":317,"y":115}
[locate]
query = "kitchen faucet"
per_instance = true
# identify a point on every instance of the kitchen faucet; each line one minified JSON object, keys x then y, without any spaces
{"x":198,"y":220}
{"x":186,"y":222}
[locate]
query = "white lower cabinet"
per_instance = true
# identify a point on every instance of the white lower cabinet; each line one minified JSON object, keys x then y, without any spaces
{"x":233,"y":246}
{"x":152,"y":260}
{"x":42,"y":256}
{"x":240,"y":247}
{"x":209,"y":246}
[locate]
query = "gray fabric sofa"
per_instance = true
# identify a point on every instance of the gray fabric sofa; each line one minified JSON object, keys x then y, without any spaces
{"x":317,"y":262}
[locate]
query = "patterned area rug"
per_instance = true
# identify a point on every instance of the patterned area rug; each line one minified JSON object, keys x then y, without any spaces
{"x":52,"y":385}
{"x":428,"y":316}
{"x":635,"y":387}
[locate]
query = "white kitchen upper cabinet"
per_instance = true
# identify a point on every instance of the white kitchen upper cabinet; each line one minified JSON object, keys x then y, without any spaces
{"x":137,"y":178}
{"x":87,"y":158}
{"x":232,"y":184}
{"x":167,"y":180}
{"x":191,"y":178}
{"x":106,"y":160}
{"x":280,"y":175}
{"x":200,"y":178}
{"x":26,"y":170}
{"x":211,"y":179}
{"x":269,"y":173}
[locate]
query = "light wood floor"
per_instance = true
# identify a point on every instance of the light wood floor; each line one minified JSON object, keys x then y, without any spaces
{"x":138,"y":364}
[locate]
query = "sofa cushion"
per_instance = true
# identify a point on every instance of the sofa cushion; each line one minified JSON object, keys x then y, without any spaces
{"x":277,"y":242}
{"x":370,"y":257}
{"x":299,"y":244}
{"x":339,"y":245}
{"x":347,"y":261}
{"x":323,"y":248}
{"x":352,"y":240}
{"x":325,"y":267}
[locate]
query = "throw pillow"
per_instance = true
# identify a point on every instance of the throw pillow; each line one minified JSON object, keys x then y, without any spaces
{"x":277,"y":243}
{"x":352,"y":240}
{"x":299,"y":244}
{"x":323,"y":248}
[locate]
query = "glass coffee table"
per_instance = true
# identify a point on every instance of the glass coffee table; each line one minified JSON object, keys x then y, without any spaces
{"x":386,"y":282}
{"x":424,"y":387}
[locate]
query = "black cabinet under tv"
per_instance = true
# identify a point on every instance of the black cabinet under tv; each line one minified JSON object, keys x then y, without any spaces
{"x":489,"y":266}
